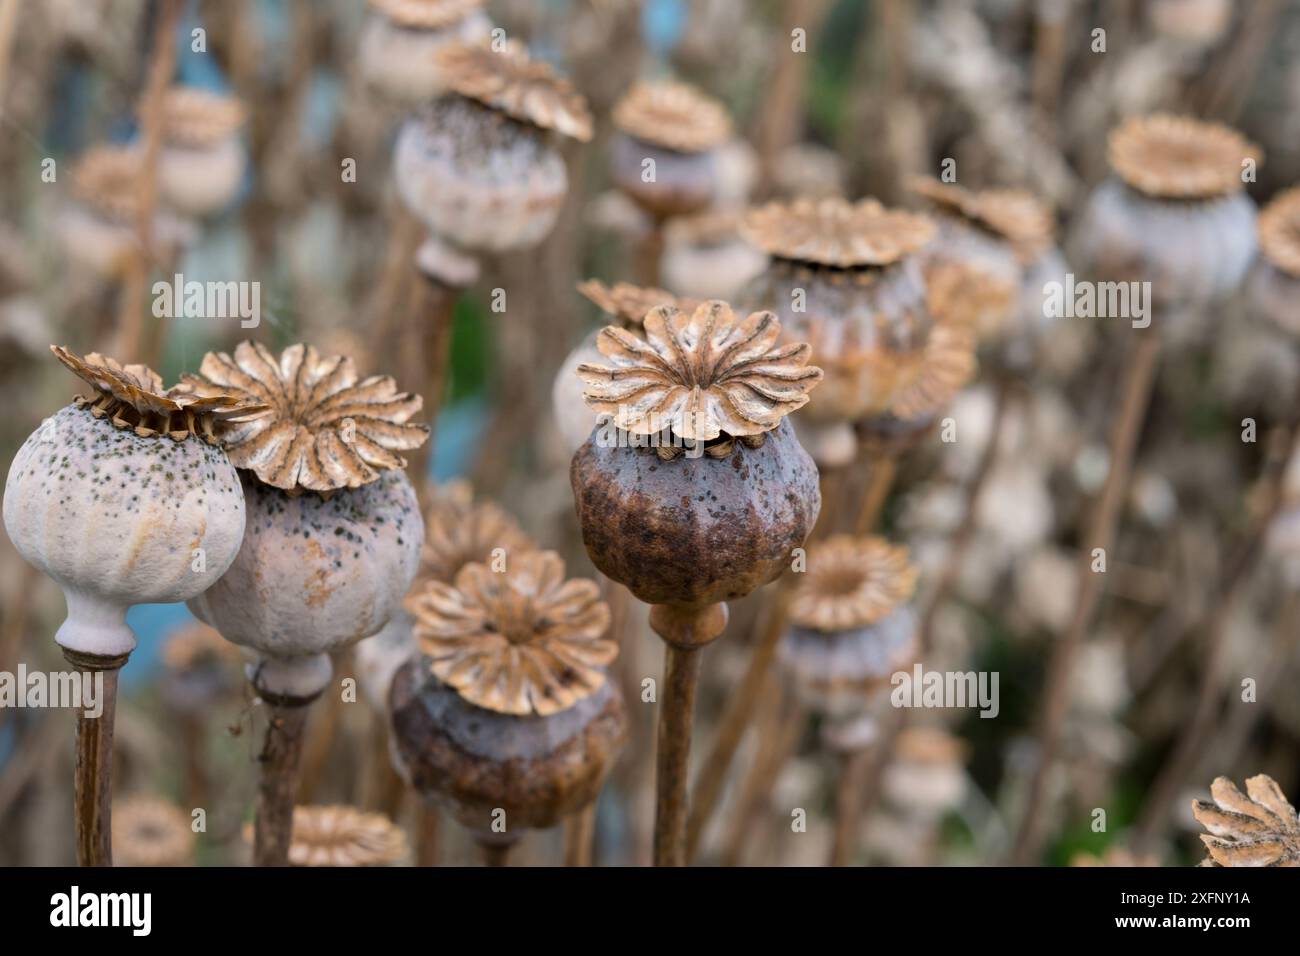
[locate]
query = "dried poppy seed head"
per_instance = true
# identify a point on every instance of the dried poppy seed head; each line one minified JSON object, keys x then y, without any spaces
{"x":700,"y":374}
{"x":706,"y":257}
{"x":664,"y":152}
{"x":1257,"y":828}
{"x":674,"y":116}
{"x":1273,"y":287}
{"x":323,"y":429}
{"x":918,"y":385}
{"x":1013,"y":215}
{"x":401,"y":39}
{"x":109,"y":499}
{"x":478,"y":762}
{"x":344,"y":836}
{"x":202,"y":162}
{"x":850,"y":583}
{"x":836,"y":233}
{"x":523,"y":641}
{"x":1175,"y":157}
{"x":1279,"y":231}
{"x":508,"y":80}
{"x":458,"y":532}
{"x":148,"y":831}
{"x":629,"y":303}
{"x":198,"y":118}
{"x":851,"y":625}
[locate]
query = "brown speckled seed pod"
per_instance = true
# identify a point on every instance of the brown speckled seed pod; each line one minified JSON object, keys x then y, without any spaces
{"x":695,"y":531}
{"x":475,"y":761}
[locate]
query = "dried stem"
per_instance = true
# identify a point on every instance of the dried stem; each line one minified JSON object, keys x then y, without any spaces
{"x":686,"y":631}
{"x":93,"y":773}
{"x":965,"y":533}
{"x":1100,"y":533}
{"x":848,"y":805}
{"x":1195,"y":731}
{"x":431,"y":320}
{"x":277,"y":790}
{"x":649,"y":253}
{"x":778,"y":736}
{"x":428,"y":830}
{"x":495,"y":854}
{"x":579,"y":837}
{"x":880,"y":480}
{"x":162,"y":64}
{"x":779,"y":119}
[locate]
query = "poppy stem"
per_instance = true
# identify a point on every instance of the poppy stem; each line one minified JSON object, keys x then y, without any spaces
{"x":93,"y":773}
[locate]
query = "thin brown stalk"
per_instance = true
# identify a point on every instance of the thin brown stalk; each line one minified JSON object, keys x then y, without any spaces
{"x":277,"y":791}
{"x":93,"y":775}
{"x":782,"y":113}
{"x":428,"y":830}
{"x":162,"y":64}
{"x":495,"y":854}
{"x":880,"y":479}
{"x":848,"y":805}
{"x":579,"y":837}
{"x":431,"y":314}
{"x":685,"y":632}
{"x":965,"y":533}
{"x":1100,"y":533}
{"x":778,"y":737}
{"x":1195,"y":731}
{"x":382,"y":788}
{"x":649,"y":253}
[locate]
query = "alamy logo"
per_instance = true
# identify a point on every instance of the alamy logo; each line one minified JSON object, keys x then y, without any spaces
{"x":1098,"y":300}
{"x":56,"y":689}
{"x":944,"y":689}
{"x":615,"y":432}
{"x":74,"y":908}
{"x":208,"y":300}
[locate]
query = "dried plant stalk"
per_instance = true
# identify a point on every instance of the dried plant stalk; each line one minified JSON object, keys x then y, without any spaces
{"x":685,"y":631}
{"x":579,"y":837}
{"x":1135,"y":396}
{"x":93,"y":773}
{"x":277,"y":789}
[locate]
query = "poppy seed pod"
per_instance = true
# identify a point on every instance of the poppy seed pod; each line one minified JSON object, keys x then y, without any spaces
{"x":976,"y":264}
{"x":716,"y":507}
{"x":201,"y":163}
{"x":851,"y":627}
{"x":334,"y":530}
{"x":401,"y":39}
{"x":663,"y":155}
{"x":98,"y":229}
{"x":705,"y":257}
{"x":120,"y":499}
{"x":480,"y":166}
{"x":845,"y":277}
{"x":508,"y":706}
{"x":1274,"y":284}
{"x":1175,"y":212}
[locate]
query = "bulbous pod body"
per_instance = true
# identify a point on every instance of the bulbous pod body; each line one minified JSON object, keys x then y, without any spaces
{"x":849,"y":316}
{"x":201,"y":180}
{"x":118,"y":519}
{"x":1191,"y":251}
{"x":476,"y":762}
{"x":317,"y":574}
{"x":839,"y":673}
{"x":477,"y":178}
{"x":664,"y":182}
{"x":574,"y":419}
{"x":695,"y":530}
{"x":401,"y":61}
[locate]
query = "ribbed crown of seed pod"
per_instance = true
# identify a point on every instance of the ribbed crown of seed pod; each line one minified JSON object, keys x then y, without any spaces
{"x":851,"y":582}
{"x":700,"y":373}
{"x":924,"y":382}
{"x":837,"y":233}
{"x":106,"y":178}
{"x":195,"y":117}
{"x":1255,"y":828}
{"x":631,"y":303}
{"x":426,"y":14}
{"x":344,"y":836}
{"x":148,"y":831}
{"x":1014,"y":215}
{"x":133,"y":397}
{"x":674,"y":116}
{"x":324,"y":429}
{"x":1176,"y":157}
{"x":507,"y":79}
{"x":523,"y":641}
{"x":1279,"y":231}
{"x":458,"y":531}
